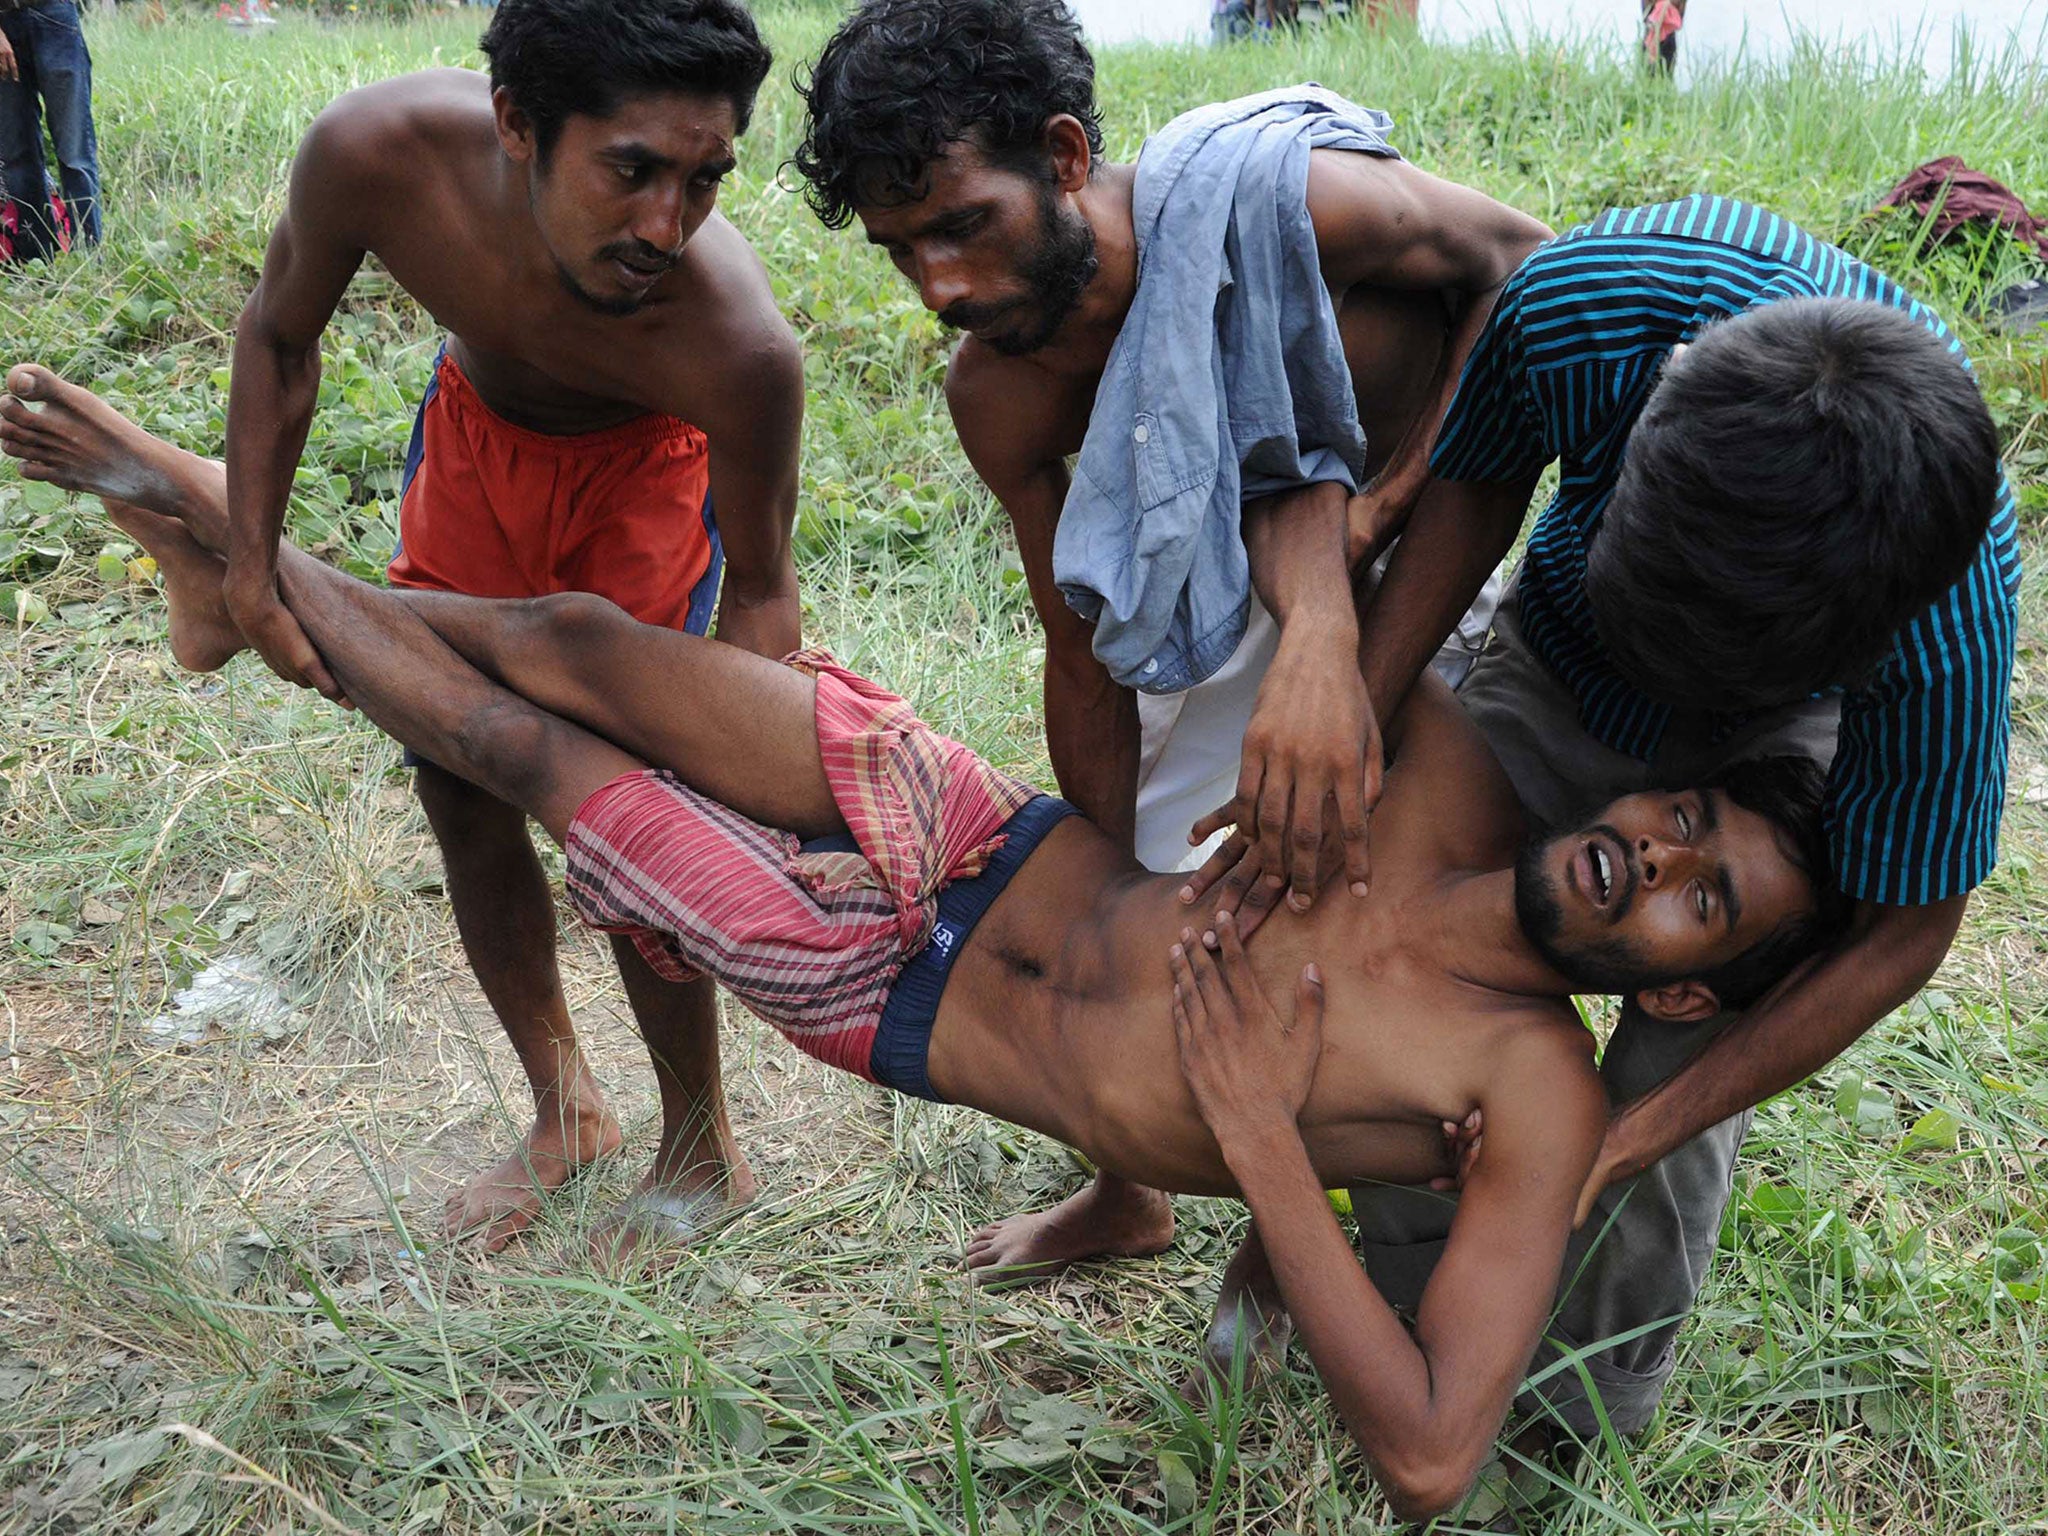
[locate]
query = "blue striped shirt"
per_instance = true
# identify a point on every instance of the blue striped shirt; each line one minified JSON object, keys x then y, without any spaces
{"x":1561,"y":372}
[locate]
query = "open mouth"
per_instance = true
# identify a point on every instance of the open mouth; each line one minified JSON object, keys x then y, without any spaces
{"x":638,"y":277}
{"x":1600,"y":872}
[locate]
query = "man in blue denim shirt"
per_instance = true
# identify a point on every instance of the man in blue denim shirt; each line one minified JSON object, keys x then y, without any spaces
{"x":963,"y":135}
{"x":43,"y":55}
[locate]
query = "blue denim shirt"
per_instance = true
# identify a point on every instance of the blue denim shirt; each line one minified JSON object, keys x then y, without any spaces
{"x":1231,"y":343}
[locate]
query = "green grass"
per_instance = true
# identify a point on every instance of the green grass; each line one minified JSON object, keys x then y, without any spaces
{"x":241,"y":1238}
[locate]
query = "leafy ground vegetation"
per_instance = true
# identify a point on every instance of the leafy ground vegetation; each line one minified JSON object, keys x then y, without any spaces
{"x":224,"y":1300}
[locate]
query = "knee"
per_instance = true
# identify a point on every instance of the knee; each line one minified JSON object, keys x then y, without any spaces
{"x":461,"y":812}
{"x":505,"y":748}
{"x":578,"y":621}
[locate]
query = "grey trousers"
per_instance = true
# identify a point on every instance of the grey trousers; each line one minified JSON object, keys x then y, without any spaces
{"x":1631,"y":1273}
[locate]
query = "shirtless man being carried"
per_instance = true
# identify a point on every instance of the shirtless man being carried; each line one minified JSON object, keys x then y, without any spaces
{"x":615,"y":367}
{"x":1171,"y":374}
{"x":973,"y":941}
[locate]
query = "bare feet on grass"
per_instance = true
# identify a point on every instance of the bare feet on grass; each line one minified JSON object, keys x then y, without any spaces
{"x":1111,"y":1218}
{"x":71,"y":438}
{"x":668,"y":1214}
{"x":1250,"y":1324}
{"x":501,"y":1202}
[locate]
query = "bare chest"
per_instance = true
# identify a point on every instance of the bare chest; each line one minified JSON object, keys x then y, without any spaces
{"x":534,"y":354}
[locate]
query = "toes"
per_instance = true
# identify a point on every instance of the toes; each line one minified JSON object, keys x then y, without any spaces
{"x":31,"y":381}
{"x":502,"y":1231}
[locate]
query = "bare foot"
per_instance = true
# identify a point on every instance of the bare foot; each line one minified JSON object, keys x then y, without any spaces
{"x":501,"y":1202}
{"x":1110,"y":1218}
{"x":72,"y":438}
{"x":1250,"y":1321}
{"x":203,"y":637}
{"x":666,"y":1216}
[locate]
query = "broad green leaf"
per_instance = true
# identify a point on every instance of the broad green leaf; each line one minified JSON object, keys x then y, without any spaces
{"x":1029,"y":1455}
{"x":1177,"y":1485}
{"x":1937,"y":1130}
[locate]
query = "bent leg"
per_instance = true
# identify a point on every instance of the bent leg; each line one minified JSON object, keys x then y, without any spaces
{"x":699,"y":1173}
{"x":407,"y":680}
{"x":413,"y":685}
{"x":734,"y":726}
{"x":506,"y":918}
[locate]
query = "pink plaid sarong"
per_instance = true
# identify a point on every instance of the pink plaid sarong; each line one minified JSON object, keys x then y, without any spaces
{"x":810,"y":941}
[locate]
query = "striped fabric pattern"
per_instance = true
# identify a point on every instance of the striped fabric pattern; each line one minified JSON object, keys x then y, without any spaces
{"x":810,"y":941}
{"x":1561,"y":372}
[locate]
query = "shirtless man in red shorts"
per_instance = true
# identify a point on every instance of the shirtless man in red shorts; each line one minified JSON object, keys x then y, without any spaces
{"x":615,"y":369}
{"x":976,"y":942}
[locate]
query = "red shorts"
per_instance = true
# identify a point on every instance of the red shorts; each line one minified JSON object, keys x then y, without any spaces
{"x":810,"y":939}
{"x":494,"y":510}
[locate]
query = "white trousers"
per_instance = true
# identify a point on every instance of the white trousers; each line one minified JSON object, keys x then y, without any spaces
{"x":1190,"y":743}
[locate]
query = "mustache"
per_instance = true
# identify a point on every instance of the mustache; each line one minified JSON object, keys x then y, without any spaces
{"x":639,"y":253}
{"x":967,"y":317}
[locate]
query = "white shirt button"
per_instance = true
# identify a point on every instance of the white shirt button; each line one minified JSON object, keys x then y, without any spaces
{"x":1140,"y":433}
{"x":1152,"y":665}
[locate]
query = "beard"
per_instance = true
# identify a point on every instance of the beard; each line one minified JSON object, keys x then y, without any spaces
{"x":1056,"y":271}
{"x":1599,"y":965}
{"x":619,"y":304}
{"x":616,"y":306}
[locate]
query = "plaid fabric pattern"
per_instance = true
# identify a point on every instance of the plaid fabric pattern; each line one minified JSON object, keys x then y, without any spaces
{"x":811,"y":941}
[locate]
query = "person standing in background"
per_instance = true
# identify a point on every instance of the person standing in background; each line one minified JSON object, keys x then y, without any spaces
{"x":1661,"y":21}
{"x":46,"y":70}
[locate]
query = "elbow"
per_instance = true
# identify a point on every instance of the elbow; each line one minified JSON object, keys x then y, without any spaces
{"x":1422,"y":1482}
{"x":1419,"y":1500}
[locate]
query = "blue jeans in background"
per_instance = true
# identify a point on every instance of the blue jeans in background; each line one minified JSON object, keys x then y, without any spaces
{"x":56,"y":78}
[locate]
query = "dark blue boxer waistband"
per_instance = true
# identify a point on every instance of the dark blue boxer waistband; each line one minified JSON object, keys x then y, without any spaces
{"x":903,"y":1038}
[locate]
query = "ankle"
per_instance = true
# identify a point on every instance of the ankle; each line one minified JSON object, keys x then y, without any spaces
{"x":706,"y":1160}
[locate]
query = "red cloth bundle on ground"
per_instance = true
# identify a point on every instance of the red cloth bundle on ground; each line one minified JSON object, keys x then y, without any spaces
{"x":1950,"y":194}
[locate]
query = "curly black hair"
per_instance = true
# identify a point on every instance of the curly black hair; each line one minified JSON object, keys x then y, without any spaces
{"x":903,"y":79}
{"x":565,"y":58}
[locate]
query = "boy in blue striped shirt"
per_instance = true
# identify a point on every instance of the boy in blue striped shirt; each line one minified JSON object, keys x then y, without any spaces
{"x":1779,"y":525}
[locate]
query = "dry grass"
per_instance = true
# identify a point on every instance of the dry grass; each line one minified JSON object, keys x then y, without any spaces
{"x":224,"y":1300}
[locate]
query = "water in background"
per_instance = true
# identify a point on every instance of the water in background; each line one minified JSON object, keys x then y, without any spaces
{"x":1714,"y":29}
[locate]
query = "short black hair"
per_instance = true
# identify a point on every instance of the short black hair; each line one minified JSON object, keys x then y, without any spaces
{"x":1802,"y":482}
{"x":901,"y":80}
{"x":565,"y":58}
{"x":1789,"y":792}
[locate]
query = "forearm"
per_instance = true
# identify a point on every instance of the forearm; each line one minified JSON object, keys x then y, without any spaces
{"x":1294,"y":543}
{"x":1790,"y":1034}
{"x":1377,"y":1377}
{"x":1091,"y":735}
{"x":1407,"y":468}
{"x":762,"y":615}
{"x":271,"y":395}
{"x":1459,"y":533}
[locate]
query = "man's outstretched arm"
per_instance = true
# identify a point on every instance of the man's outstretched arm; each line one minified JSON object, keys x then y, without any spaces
{"x":1423,"y":1409}
{"x":275,"y":382}
{"x":1311,"y":755}
{"x":756,"y":436}
{"x":1802,"y":1024}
